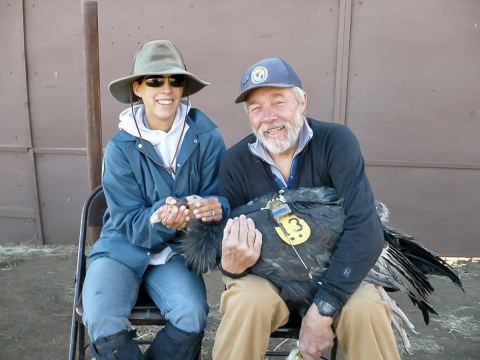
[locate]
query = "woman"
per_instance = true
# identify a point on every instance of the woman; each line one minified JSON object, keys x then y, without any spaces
{"x":163,"y":151}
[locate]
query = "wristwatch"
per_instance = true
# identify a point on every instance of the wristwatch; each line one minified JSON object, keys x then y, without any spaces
{"x":325,"y":308}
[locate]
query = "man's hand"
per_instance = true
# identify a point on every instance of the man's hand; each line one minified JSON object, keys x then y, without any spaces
{"x":316,"y":335}
{"x":241,"y":245}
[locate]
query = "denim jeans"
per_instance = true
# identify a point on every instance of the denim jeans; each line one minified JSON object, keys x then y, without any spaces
{"x":110,"y":291}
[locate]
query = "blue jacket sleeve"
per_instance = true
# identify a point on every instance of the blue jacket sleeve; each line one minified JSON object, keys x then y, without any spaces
{"x":129,"y":211}
{"x":362,"y":241}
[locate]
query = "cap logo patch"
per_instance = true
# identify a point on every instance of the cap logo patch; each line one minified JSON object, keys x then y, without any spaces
{"x":259,"y":75}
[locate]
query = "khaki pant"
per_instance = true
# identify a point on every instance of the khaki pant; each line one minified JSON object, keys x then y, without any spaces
{"x":252,"y":309}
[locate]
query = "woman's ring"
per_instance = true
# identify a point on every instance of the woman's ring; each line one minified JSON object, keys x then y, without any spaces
{"x":213,"y":213}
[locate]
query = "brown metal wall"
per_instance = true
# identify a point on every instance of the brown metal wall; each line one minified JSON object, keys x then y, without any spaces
{"x":413,"y":101}
{"x":439,"y":206}
{"x":18,"y":207}
{"x":219,"y":40}
{"x":414,"y":80}
{"x":404,"y":79}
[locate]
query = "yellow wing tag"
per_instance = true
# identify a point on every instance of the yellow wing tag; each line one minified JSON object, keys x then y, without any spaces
{"x":297,"y":229}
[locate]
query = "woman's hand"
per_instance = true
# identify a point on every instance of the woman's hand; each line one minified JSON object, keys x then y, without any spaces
{"x":208,"y":210}
{"x":173,"y":216}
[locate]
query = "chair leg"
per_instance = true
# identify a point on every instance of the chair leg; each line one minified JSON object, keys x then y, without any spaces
{"x":333,"y":353}
{"x":73,"y":339}
{"x":81,"y":342}
{"x":277,"y":353}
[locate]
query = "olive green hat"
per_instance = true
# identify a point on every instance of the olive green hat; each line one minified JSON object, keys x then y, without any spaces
{"x":158,"y":57}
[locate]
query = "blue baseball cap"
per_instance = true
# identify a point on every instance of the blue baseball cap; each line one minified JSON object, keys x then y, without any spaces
{"x":273,"y":72}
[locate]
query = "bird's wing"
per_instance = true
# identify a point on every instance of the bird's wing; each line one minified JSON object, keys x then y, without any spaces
{"x":297,"y":266}
{"x":297,"y":270}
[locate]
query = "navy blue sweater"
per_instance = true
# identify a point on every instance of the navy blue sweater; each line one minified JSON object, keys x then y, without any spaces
{"x":331,"y":158}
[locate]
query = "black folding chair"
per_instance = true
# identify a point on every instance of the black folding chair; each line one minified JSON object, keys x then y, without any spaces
{"x":291,"y":330}
{"x":145,"y":312}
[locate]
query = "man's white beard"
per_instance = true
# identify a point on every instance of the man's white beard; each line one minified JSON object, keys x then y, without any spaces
{"x":277,"y":146}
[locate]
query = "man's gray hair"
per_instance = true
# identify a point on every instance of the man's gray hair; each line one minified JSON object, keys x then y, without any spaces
{"x":298,"y":94}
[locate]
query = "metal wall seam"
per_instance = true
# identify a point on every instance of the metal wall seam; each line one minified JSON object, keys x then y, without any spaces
{"x":60,"y":151}
{"x":16,"y":212}
{"x":38,"y":219}
{"x":15,"y":149}
{"x":343,"y":55}
{"x":31,"y":155}
{"x":424,"y":164}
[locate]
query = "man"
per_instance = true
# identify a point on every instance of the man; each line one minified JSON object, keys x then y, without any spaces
{"x":287,"y":150}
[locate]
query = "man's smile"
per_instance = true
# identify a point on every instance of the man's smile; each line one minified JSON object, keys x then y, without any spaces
{"x":275,"y":130}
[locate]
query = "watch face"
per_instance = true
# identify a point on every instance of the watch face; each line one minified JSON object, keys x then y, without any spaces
{"x":328,"y":308}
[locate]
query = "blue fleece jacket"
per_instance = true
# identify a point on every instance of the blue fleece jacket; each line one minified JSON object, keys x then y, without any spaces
{"x":135,"y":187}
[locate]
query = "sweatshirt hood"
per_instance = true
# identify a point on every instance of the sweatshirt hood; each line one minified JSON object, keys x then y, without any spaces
{"x":155,"y":137}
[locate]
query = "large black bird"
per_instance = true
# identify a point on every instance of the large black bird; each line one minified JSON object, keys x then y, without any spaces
{"x":301,"y":229}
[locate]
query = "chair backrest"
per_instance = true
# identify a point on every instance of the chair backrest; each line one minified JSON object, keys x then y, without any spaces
{"x":96,"y":206}
{"x":92,"y":215}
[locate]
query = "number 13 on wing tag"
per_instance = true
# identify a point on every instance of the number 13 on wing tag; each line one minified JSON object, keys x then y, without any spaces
{"x":297,"y":230}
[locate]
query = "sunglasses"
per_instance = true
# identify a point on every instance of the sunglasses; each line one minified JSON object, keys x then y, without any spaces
{"x":158,"y":81}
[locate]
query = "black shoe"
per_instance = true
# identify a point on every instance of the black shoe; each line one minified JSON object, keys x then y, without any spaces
{"x":119,"y":346}
{"x":172,"y":343}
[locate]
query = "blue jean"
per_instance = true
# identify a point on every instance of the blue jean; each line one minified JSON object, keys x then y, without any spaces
{"x":110,"y":291}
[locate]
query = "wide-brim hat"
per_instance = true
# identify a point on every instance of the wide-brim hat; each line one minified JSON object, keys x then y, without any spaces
{"x":158,"y":57}
{"x":274,"y":72}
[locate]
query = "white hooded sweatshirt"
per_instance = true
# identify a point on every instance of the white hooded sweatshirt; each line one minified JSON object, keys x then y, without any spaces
{"x":164,"y":143}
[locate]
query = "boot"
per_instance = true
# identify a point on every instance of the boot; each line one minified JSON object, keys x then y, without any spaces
{"x":174,"y":344}
{"x":119,"y":346}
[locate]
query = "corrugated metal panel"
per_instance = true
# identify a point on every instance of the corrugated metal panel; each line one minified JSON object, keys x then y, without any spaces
{"x":414,"y":83}
{"x":63,"y":187}
{"x":18,"y":231}
{"x":17,"y":205}
{"x":413,"y":90}
{"x":16,"y":183}
{"x":240,"y":34}
{"x":219,"y":41}
{"x":438,"y":206}
{"x":411,"y":94}
{"x":55,"y":73}
{"x":13,"y":99}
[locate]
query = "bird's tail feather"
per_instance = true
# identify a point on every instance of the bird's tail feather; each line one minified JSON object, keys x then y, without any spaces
{"x":403,"y":263}
{"x":428,"y":262}
{"x":424,"y":259}
{"x":410,"y":280}
{"x":409,"y":263}
{"x":201,"y":244}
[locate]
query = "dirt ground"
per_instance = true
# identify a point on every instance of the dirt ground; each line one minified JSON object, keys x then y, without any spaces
{"x":37,"y":292}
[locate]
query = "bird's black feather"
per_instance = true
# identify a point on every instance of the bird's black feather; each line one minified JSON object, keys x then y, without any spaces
{"x":403,"y":266}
